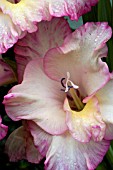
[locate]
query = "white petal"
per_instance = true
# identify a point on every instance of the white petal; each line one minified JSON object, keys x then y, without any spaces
{"x":65,"y":153}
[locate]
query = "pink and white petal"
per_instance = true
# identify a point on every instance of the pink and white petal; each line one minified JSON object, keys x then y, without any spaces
{"x":32,"y":154}
{"x":25,"y":14}
{"x":9,"y":33}
{"x":73,"y":8}
{"x":80,"y":55}
{"x":46,"y":37}
{"x":6,"y":73}
{"x":67,"y":154}
{"x":19,"y":145}
{"x":3,"y":129}
{"x":86,"y":124}
{"x":42,"y":140}
{"x":38,"y":43}
{"x":22,"y":61}
{"x":105,"y":99}
{"x":38,"y":98}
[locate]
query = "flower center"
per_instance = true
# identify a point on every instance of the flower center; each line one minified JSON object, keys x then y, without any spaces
{"x":73,"y":94}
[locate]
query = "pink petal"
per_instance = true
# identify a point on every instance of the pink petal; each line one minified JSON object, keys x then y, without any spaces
{"x":105,"y":99}
{"x":67,"y":154}
{"x":3,"y":129}
{"x":19,"y":145}
{"x":86,"y":124}
{"x":50,"y":34}
{"x":6,"y":73}
{"x":80,"y":55}
{"x":32,"y":154}
{"x":25,"y":14}
{"x":73,"y":8}
{"x":42,"y":140}
{"x":38,"y":98}
{"x":9,"y":33}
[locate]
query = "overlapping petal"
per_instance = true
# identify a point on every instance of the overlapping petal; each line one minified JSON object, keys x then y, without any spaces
{"x":50,"y":34}
{"x":42,"y":140}
{"x":19,"y":145}
{"x":25,"y":13}
{"x":86,"y":124}
{"x":66,"y":153}
{"x":38,"y":98}
{"x":6,"y":73}
{"x":80,"y":55}
{"x":3,"y":129}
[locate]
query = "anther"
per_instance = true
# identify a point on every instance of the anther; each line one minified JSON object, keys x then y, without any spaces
{"x":62,"y":83}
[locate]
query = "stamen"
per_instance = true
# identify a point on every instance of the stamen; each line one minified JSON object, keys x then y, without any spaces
{"x":64,"y":85}
{"x":71,"y":88}
{"x":70,"y":84}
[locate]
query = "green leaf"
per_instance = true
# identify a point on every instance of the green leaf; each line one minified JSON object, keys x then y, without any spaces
{"x":91,"y":16}
{"x":109,"y":59}
{"x":112,"y":14}
{"x":109,"y":157}
{"x":102,"y":166}
{"x":104,"y":11}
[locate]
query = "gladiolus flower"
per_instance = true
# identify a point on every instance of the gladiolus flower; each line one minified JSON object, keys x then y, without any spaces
{"x":64,"y":94}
